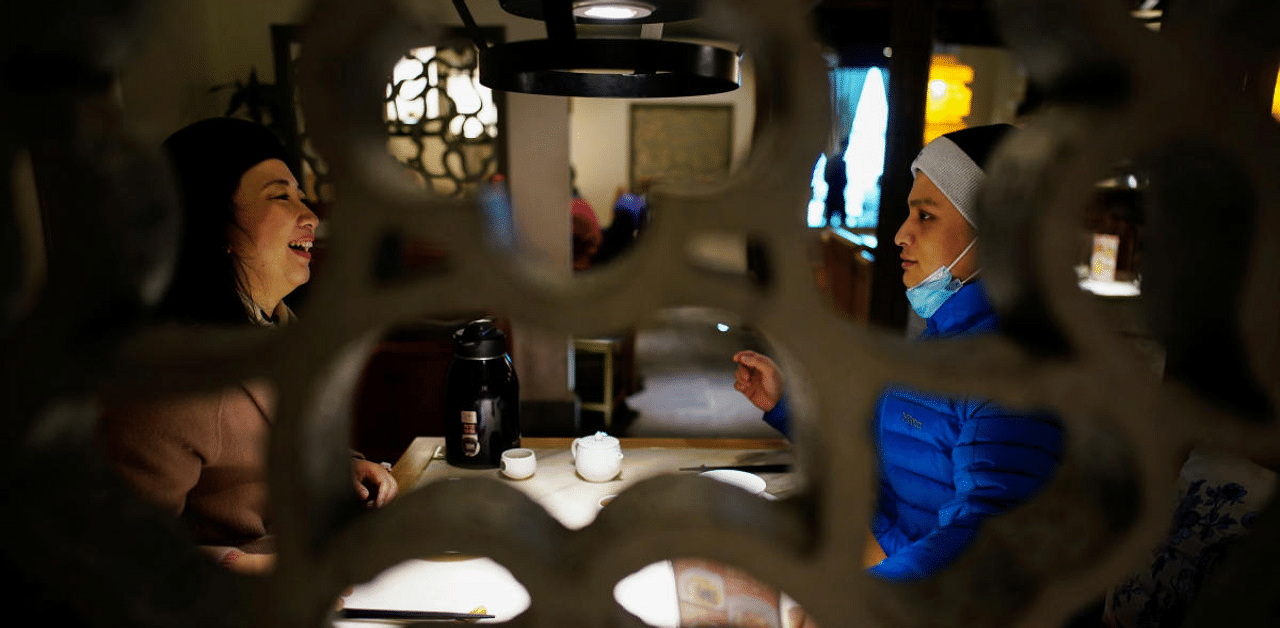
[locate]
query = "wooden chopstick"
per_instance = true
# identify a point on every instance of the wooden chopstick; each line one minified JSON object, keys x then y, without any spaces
{"x":759,"y":468}
{"x":378,"y":613}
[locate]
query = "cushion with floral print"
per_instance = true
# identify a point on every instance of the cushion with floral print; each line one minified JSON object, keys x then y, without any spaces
{"x":1219,"y":498}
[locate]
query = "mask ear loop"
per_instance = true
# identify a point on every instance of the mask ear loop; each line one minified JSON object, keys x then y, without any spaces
{"x":961,"y":256}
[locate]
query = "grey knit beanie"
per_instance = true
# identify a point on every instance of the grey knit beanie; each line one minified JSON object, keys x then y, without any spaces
{"x":956,"y":163}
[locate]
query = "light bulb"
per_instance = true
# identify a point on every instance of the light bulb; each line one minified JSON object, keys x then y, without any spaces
{"x":612,"y":9}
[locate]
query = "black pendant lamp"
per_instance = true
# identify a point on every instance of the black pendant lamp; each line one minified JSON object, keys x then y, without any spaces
{"x":565,"y":65}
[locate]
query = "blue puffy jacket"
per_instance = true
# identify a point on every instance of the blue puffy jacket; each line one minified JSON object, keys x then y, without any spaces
{"x":947,"y":463}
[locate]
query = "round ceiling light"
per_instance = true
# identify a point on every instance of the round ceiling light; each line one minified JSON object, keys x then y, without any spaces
{"x":604,"y":12}
{"x":610,"y":68}
{"x":612,"y":10}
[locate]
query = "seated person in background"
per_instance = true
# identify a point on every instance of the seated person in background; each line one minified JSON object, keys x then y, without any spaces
{"x":586,"y":232}
{"x":629,"y":215}
{"x":246,"y":236}
{"x":945,"y":463}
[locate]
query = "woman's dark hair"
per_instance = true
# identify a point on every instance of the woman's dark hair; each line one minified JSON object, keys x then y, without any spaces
{"x":208,"y":158}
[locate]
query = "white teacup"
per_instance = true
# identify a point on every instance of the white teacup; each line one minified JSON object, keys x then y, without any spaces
{"x":598,"y":458}
{"x":519,"y":463}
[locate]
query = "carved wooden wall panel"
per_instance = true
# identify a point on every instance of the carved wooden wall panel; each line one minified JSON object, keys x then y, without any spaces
{"x":1171,"y":102}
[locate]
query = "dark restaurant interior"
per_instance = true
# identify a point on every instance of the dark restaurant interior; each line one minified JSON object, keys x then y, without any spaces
{"x":738,"y":174}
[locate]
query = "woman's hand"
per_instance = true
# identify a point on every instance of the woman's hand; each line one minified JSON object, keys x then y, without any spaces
{"x":758,"y":378}
{"x":797,"y":618}
{"x":374,"y":484}
{"x":248,"y":564}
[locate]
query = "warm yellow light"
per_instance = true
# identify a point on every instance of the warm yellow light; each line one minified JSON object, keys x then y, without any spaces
{"x":1275,"y":100}
{"x":949,"y":96}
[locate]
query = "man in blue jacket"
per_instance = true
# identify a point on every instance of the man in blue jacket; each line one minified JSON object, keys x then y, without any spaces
{"x":946,"y":463}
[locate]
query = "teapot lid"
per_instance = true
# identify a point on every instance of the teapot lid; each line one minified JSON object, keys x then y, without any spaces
{"x":479,"y":339}
{"x":599,"y":440}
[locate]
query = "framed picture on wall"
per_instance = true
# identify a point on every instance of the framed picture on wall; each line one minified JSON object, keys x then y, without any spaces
{"x":687,"y":143}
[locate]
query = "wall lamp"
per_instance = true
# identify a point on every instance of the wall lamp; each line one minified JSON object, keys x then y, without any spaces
{"x":605,"y":67}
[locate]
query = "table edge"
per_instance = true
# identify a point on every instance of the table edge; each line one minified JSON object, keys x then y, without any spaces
{"x":409,"y":467}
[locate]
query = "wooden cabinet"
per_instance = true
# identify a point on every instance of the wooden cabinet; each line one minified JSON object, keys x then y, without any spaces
{"x":846,"y":274}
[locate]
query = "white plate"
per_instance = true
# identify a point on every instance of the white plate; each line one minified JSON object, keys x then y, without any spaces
{"x":741,"y":479}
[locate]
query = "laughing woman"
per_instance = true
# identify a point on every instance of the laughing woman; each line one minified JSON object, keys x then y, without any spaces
{"x":245,"y":245}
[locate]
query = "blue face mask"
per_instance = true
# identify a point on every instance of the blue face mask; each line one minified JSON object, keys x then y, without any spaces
{"x":929,"y":295}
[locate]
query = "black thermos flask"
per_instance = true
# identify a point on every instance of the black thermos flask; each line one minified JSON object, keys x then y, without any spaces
{"x":481,"y":399}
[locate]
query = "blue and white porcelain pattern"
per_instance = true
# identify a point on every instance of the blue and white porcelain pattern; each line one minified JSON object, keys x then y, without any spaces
{"x":1219,"y":498}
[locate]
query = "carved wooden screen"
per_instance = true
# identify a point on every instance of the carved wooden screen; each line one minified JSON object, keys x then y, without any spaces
{"x":84,"y":551}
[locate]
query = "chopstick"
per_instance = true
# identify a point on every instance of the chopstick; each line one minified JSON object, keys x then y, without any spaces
{"x":758,"y":468}
{"x":378,"y":613}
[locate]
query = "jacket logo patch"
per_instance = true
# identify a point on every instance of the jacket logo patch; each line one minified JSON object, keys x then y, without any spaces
{"x":912,"y":421}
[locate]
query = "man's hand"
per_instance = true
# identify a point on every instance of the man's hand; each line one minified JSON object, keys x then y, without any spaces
{"x":374,"y":484}
{"x":758,"y":378}
{"x":872,"y":553}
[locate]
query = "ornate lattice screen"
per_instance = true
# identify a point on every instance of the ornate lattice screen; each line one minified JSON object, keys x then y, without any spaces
{"x":1172,"y":102}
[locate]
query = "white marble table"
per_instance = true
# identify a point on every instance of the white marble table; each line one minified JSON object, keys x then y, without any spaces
{"x":650,"y":593}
